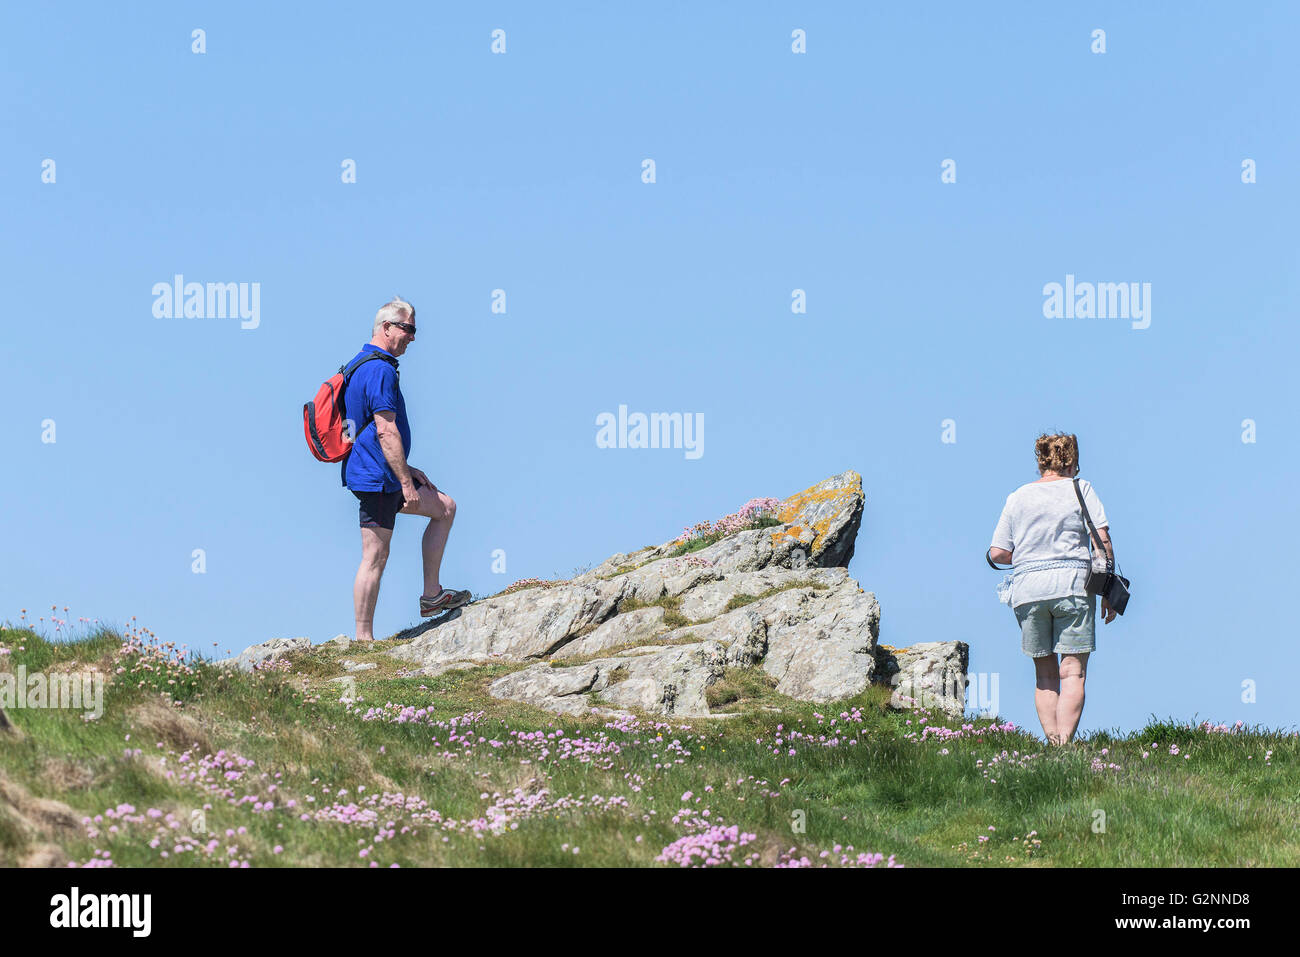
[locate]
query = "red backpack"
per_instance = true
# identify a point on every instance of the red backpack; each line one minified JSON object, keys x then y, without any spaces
{"x":324,"y":419}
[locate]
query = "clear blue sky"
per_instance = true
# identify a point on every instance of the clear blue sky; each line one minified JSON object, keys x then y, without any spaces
{"x":775,"y":172}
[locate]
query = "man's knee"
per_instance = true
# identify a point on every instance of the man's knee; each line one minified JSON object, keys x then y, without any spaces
{"x":441,"y":508}
{"x":374,"y":553}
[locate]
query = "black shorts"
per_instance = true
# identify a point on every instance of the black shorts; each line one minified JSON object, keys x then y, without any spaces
{"x":379,"y":509}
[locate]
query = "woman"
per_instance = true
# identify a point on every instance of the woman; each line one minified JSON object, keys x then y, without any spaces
{"x":1042,"y":526}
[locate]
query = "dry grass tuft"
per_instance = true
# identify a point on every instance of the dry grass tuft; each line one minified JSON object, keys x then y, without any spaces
{"x":177,"y":731}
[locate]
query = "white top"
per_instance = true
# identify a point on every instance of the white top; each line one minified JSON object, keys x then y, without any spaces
{"x":1042,"y":520}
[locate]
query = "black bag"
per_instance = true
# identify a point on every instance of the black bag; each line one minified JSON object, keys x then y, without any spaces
{"x":1110,"y":584}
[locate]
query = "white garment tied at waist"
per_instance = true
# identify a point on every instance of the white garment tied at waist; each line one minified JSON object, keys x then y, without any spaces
{"x":1037,"y":564}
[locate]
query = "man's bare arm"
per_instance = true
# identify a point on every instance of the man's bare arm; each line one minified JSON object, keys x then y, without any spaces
{"x":390,"y":440}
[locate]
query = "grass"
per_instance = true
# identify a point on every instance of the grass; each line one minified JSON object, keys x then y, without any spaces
{"x":524,"y":585}
{"x":741,"y":600}
{"x":671,"y":604}
{"x":749,"y":685}
{"x":689,"y":638}
{"x":468,"y":780}
{"x":695,"y":543}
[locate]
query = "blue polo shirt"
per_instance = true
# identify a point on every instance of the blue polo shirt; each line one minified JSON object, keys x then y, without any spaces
{"x":373,"y":388}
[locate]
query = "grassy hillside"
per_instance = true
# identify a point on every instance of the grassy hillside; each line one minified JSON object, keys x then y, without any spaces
{"x":191,"y":766}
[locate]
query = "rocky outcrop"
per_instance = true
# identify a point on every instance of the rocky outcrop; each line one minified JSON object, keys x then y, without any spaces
{"x":651,"y":630}
{"x":255,"y":657}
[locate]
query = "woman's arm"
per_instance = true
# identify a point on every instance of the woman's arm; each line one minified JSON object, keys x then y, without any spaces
{"x":1104,"y":534}
{"x":1107,"y":613}
{"x":1000,"y":555}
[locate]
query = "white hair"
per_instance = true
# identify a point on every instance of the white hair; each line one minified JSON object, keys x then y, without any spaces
{"x":399,"y":310}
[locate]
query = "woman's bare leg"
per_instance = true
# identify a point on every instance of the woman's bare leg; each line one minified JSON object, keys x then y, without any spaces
{"x":1047,"y":690}
{"x":1070,"y":706}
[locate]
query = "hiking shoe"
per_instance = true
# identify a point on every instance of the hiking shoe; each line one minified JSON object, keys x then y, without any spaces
{"x":445,"y":600}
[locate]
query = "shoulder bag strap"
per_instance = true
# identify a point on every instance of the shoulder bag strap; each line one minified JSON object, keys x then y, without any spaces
{"x":1092,"y":530}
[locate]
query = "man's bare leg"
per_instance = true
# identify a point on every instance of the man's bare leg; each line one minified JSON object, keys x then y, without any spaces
{"x":365,"y":590}
{"x":440,"y":509}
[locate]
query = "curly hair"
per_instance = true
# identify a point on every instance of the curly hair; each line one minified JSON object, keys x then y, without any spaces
{"x":1056,"y":451}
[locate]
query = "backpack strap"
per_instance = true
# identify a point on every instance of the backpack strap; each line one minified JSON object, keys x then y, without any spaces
{"x":347,"y":372}
{"x":347,"y":377}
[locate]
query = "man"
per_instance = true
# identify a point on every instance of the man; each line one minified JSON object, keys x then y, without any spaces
{"x":377,"y":473}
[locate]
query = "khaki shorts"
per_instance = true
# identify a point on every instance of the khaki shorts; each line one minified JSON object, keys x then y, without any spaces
{"x":1063,"y":626}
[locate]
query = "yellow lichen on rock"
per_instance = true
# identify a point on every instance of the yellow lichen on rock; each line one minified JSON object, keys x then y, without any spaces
{"x":794,"y":531}
{"x":815,"y":501}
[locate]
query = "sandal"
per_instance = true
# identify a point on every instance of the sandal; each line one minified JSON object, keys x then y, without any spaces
{"x":445,"y":600}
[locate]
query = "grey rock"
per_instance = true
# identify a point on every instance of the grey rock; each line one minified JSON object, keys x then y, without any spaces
{"x":666,"y":578}
{"x":266,"y":652}
{"x":359,"y":665}
{"x":670,"y":681}
{"x":833,"y":511}
{"x":562,"y":690}
{"x":633,"y":626}
{"x":612,"y":564}
{"x":347,"y":687}
{"x":515,"y":627}
{"x":741,"y":633}
{"x":821,"y":650}
{"x":433,"y":670}
{"x":818,"y":528}
{"x":709,"y":599}
{"x":929,"y":674}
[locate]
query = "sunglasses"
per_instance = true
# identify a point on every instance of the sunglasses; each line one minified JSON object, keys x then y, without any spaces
{"x":404,"y":326}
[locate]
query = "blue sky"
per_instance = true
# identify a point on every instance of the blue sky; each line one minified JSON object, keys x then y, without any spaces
{"x":775,"y":171}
